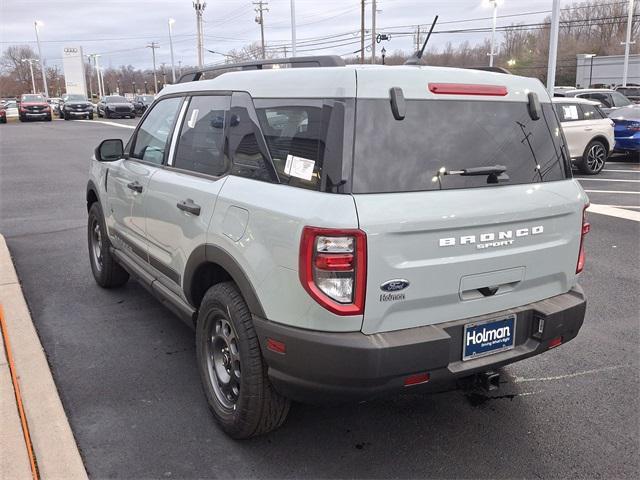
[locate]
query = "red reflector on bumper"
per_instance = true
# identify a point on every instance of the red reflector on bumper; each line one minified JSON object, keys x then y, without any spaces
{"x":416,"y":379}
{"x":276,"y":346}
{"x":555,"y":342}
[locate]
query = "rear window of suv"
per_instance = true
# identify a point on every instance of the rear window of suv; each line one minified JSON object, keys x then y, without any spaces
{"x":407,"y":155}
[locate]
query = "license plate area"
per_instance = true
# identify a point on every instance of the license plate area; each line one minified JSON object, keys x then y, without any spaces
{"x":487,"y":337}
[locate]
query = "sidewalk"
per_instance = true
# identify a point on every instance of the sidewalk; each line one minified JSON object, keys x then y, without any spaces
{"x":54,"y":449}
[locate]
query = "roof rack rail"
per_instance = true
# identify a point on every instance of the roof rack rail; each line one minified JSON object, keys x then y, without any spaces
{"x":294,"y":62}
{"x":490,"y":69}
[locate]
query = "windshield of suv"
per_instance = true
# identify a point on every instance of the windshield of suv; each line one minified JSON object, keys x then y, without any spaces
{"x":116,"y":99}
{"x":146,"y":98}
{"x":407,"y":155}
{"x":32,"y":98}
{"x":75,"y":98}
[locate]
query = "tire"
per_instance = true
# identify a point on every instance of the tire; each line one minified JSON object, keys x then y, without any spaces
{"x":90,"y":116}
{"x":99,"y":114}
{"x":48,"y":119}
{"x":236,"y":385}
{"x":106,"y":271}
{"x":67,"y":117}
{"x":106,"y":114}
{"x":593,"y":158}
{"x":22,"y":119}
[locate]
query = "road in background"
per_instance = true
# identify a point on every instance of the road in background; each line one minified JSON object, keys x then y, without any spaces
{"x":126,"y":371}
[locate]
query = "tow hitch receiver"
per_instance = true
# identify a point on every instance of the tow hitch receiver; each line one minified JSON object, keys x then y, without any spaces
{"x":489,"y":381}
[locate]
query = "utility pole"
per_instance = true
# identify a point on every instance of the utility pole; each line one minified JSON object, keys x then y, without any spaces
{"x":90,"y":79}
{"x":361,"y":31}
{"x":173,"y":65}
{"x":418,"y":39}
{"x":37,"y":24}
{"x":199,"y":7}
{"x":261,"y":7}
{"x":627,"y":44}
{"x":153,"y":46}
{"x":293,"y":28}
{"x":33,"y":80}
{"x":373,"y":32}
{"x":164,"y":75}
{"x":553,"y":46}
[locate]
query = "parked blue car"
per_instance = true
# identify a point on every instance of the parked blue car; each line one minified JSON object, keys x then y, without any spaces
{"x":627,"y":129}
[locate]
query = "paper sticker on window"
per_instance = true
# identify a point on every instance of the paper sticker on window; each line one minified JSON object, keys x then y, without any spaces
{"x":194,"y":117}
{"x":570,"y":112}
{"x":299,"y":167}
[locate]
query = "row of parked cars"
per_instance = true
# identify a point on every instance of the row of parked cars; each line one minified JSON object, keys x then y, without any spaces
{"x":598,"y":121}
{"x":70,"y":106}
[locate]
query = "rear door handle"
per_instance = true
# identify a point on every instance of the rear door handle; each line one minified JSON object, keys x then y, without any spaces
{"x":189,"y":206}
{"x":135,"y":186}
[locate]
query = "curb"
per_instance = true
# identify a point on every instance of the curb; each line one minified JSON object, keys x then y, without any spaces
{"x":55,"y":448}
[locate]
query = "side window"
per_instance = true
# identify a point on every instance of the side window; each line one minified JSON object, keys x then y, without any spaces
{"x":201,"y":145}
{"x":151,"y":138}
{"x":619,"y":100}
{"x":567,"y":112}
{"x":591,"y":112}
{"x":603,"y":98}
{"x":250,"y":157}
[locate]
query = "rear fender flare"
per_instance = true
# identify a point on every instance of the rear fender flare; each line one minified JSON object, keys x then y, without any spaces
{"x":213,"y":254}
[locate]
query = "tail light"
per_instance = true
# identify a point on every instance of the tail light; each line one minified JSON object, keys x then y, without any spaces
{"x":468,"y":89}
{"x":332,"y":268}
{"x":586,"y":226}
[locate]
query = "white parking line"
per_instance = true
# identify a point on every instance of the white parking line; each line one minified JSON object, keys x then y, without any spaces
{"x":620,"y":163}
{"x":614,"y":212}
{"x":571,"y":375}
{"x":612,"y":191}
{"x":607,"y":179}
{"x":622,"y":171}
{"x":113,"y":124}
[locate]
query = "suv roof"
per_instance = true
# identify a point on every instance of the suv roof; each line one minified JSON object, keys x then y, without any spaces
{"x":373,"y":81}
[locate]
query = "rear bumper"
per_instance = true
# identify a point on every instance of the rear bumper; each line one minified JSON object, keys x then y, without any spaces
{"x":321,"y":367}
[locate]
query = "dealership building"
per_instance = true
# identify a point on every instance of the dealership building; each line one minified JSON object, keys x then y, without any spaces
{"x":606,"y":70}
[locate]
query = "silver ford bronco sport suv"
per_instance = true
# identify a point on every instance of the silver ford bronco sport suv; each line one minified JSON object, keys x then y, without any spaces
{"x":339,"y":232}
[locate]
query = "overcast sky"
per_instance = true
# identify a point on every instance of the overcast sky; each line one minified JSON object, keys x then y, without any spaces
{"x":120,"y":29}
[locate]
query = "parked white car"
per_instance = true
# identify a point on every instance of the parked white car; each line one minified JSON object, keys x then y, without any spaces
{"x":588,"y":130}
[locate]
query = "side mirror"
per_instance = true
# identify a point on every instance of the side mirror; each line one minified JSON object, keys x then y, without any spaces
{"x":110,"y":150}
{"x":234,"y":120}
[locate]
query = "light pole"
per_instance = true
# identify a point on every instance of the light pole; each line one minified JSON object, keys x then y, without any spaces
{"x":38,"y":24}
{"x":627,"y":45}
{"x":173,"y":65}
{"x":553,"y":46}
{"x":494,"y":4}
{"x":33,"y":80}
{"x":384,"y":54}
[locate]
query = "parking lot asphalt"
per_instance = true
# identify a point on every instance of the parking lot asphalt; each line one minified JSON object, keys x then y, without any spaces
{"x":126,"y":372}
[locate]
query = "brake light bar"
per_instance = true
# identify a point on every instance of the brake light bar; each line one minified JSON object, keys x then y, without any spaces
{"x":467,"y":89}
{"x":332,"y":268}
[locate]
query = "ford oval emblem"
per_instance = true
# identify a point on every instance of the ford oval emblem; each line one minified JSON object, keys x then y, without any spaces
{"x":394,"y":285}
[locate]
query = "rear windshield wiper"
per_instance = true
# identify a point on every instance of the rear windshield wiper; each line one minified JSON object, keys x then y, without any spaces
{"x":494,"y":173}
